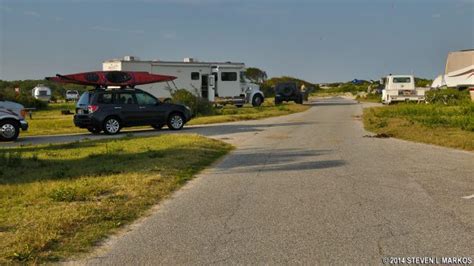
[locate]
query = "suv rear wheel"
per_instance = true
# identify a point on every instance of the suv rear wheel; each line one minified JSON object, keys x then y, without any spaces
{"x":111,"y":125}
{"x":9,"y":130}
{"x":175,"y":121}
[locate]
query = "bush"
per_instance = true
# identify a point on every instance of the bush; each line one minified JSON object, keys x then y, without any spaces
{"x":198,"y":105}
{"x":447,"y":96}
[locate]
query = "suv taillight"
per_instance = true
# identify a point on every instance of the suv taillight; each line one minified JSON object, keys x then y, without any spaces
{"x":92,"y":108}
{"x":23,"y":113}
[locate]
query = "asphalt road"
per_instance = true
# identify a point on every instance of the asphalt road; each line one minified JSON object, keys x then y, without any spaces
{"x":308,"y":188}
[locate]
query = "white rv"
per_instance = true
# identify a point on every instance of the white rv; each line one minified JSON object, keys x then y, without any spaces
{"x":459,"y":71}
{"x":399,"y":88}
{"x":42,"y":93}
{"x":219,"y":82}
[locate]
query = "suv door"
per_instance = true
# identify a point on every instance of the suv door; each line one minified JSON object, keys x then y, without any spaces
{"x":153,"y":111}
{"x":126,"y":104}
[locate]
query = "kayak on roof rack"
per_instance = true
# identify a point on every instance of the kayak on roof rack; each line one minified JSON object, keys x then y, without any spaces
{"x":111,"y":78}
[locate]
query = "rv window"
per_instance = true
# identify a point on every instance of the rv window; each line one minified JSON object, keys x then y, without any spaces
{"x":194,"y":75}
{"x":402,"y":80}
{"x":105,"y":98}
{"x":229,"y":76}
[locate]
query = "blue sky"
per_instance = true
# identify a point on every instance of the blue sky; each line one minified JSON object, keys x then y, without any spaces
{"x":321,"y":41}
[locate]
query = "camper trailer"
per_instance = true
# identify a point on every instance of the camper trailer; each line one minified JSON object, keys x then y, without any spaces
{"x":42,"y":93}
{"x":219,"y":82}
{"x":459,"y":71}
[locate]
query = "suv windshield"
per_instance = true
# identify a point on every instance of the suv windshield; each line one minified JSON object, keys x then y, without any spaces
{"x":84,"y":100}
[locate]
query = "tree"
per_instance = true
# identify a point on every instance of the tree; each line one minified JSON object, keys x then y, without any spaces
{"x":256,"y":75}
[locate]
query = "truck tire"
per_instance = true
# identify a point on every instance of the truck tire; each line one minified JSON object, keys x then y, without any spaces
{"x":299,"y":100}
{"x":9,"y":130}
{"x":257,"y":100}
{"x":277,"y":101}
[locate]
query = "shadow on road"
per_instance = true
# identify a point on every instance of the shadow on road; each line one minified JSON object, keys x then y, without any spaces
{"x":251,"y":160}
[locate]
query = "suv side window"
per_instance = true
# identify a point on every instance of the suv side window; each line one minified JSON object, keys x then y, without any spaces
{"x":125,"y":98}
{"x":145,"y":99}
{"x":105,"y":98}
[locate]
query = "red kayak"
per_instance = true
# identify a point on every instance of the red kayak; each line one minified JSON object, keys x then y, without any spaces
{"x":111,"y":78}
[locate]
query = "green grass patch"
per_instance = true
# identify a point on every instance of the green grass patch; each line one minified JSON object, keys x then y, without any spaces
{"x":232,"y":113}
{"x":445,"y":125}
{"x":59,"y":200}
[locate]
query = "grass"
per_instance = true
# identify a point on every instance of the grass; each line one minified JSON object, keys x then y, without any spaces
{"x":57,"y":200}
{"x":232,"y":113}
{"x":444,"y":125}
{"x":51,"y":122}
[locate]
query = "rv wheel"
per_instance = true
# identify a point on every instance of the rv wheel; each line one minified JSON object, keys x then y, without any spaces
{"x":257,"y":100}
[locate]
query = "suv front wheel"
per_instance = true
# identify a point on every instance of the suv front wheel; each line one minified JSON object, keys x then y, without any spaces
{"x":9,"y":130}
{"x":175,"y":121}
{"x":111,"y":125}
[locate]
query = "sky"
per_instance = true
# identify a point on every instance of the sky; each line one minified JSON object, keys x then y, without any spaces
{"x":319,"y":41}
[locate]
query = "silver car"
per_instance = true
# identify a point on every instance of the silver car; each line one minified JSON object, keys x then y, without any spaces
{"x":12,"y":119}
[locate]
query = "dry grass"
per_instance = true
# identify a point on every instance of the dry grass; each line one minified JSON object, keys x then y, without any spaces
{"x":449,"y":126}
{"x":230,"y":114}
{"x":58,"y":200}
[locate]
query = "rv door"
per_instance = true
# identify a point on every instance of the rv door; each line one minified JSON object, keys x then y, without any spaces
{"x":212,"y":87}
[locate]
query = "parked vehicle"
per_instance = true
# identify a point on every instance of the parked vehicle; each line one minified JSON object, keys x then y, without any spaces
{"x":459,"y":71}
{"x":12,"y":119}
{"x":218,"y":82}
{"x":401,"y":88}
{"x":288,"y":91}
{"x":111,"y":110}
{"x":72,"y":95}
{"x":42,"y":93}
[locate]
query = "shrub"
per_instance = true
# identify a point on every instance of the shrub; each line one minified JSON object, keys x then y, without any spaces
{"x":198,"y":105}
{"x":447,"y":96}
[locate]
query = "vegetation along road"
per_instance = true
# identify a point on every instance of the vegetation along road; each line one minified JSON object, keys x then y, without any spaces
{"x":311,"y":187}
